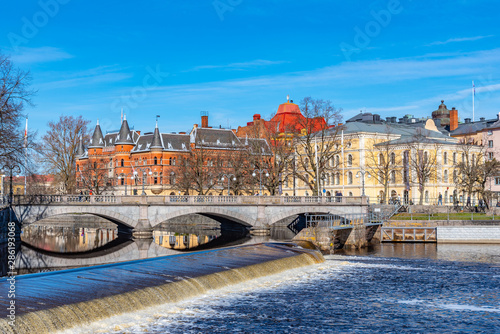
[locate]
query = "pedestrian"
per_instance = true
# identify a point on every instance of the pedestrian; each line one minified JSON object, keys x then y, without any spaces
{"x":399,"y":199}
{"x":468,"y":201}
{"x":440,"y":199}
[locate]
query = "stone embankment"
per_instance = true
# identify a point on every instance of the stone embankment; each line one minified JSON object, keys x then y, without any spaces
{"x":456,"y":231}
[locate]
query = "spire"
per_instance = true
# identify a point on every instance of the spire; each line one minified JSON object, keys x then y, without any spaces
{"x":156,"y":143}
{"x":124,"y":137}
{"x":97,"y":138}
{"x":79,"y":150}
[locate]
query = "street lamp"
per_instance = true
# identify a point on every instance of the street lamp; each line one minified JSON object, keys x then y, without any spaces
{"x":260,"y":171}
{"x":362,"y":173}
{"x":12,"y":167}
{"x":125,"y":177}
{"x":228,"y":176}
{"x":144,"y":174}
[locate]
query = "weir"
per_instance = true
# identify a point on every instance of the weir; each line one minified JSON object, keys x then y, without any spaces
{"x":53,"y":301}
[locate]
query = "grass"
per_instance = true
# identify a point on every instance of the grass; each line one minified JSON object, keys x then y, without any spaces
{"x":443,"y":216}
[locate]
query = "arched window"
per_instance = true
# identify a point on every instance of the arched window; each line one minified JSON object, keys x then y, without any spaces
{"x":337,"y":178}
{"x":349,"y":178}
{"x":381,"y":177}
{"x":327,"y":179}
{"x":425,"y":157}
{"x":427,"y":196}
{"x":122,"y":163}
{"x":445,"y":176}
{"x":174,"y":161}
{"x":156,"y":161}
{"x":337,"y":160}
{"x":392,"y":177}
{"x":77,"y":168}
{"x":455,"y":176}
{"x":95,"y":164}
{"x":381,"y":159}
{"x":445,"y":158}
{"x":393,"y":158}
{"x":473,"y":159}
{"x":463,"y":157}
{"x":170,"y":161}
{"x":349,"y":160}
{"x":454,"y":158}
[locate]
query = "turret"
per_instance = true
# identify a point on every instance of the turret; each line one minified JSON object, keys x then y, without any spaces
{"x":124,"y":136}
{"x":97,"y":138}
{"x":156,"y":143}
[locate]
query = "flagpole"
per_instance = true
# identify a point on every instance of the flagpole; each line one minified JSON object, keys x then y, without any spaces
{"x":343,"y":172}
{"x":25,"y":154}
{"x":473,"y":93}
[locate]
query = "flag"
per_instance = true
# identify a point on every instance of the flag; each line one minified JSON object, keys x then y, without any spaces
{"x":26,"y":134}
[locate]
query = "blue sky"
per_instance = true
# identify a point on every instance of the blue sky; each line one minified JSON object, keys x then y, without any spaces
{"x":235,"y":58}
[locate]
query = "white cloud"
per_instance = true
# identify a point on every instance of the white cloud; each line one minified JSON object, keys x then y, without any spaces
{"x":239,"y":66}
{"x":43,"y":54}
{"x":460,"y":39}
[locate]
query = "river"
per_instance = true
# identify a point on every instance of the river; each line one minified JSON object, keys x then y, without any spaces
{"x":405,"y":288}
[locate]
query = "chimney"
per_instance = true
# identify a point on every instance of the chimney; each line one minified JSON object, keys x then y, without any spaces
{"x":453,"y":119}
{"x":204,"y":121}
{"x":256,"y":117}
{"x":467,"y":120}
{"x":482,"y":119}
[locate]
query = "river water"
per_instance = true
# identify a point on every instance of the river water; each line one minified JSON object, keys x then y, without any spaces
{"x":406,"y":288}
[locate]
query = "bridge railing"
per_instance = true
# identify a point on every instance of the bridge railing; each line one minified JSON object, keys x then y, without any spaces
{"x":181,"y":199}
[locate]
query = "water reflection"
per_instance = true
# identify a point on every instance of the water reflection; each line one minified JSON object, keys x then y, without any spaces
{"x":67,"y":239}
{"x":181,"y":241}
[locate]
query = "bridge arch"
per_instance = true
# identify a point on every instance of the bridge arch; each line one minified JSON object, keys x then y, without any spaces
{"x":303,"y":210}
{"x":237,"y":217}
{"x":29,"y":215}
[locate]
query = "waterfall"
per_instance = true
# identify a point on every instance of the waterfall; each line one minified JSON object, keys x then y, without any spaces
{"x":51,"y":301}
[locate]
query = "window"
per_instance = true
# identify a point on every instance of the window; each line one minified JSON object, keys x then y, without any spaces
{"x":170,"y":161}
{"x":455,"y":158}
{"x":393,"y":177}
{"x":337,"y":159}
{"x":381,"y":159}
{"x":349,"y":160}
{"x":172,"y":178}
{"x":445,"y":158}
{"x":427,"y":196}
{"x":426,"y":157}
{"x":156,"y":161}
{"x":349,"y":178}
{"x":393,"y":158}
{"x":337,"y":178}
{"x":122,"y":163}
{"x":78,"y":168}
{"x":445,"y":176}
{"x":490,"y":155}
{"x":455,"y":176}
{"x":463,"y":157}
{"x":497,"y":180}
{"x":490,"y":143}
{"x":381,"y":177}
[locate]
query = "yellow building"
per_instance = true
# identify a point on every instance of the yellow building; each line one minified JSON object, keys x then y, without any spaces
{"x":376,"y":151}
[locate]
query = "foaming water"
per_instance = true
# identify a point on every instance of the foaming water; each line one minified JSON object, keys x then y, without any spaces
{"x":345,"y":294}
{"x":59,"y":300}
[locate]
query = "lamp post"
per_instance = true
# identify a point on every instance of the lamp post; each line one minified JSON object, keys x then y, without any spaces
{"x":11,"y":167}
{"x":362,"y":173}
{"x":260,"y":171}
{"x":228,"y":176}
{"x":125,"y":177}
{"x":144,"y":174}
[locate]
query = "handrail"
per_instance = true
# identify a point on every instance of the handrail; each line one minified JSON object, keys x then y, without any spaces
{"x":185,"y":199}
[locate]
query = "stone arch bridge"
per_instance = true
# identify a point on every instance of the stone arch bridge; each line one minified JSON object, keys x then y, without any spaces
{"x":143,"y":213}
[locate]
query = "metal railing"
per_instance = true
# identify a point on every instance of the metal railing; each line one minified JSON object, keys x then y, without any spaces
{"x":333,"y":221}
{"x":181,"y":199}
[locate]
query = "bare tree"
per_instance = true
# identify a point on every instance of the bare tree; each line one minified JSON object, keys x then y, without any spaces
{"x":317,"y":139}
{"x":383,"y":162}
{"x":423,"y":162}
{"x":59,"y":148}
{"x":14,"y":95}
{"x":94,"y":175}
{"x":474,"y":170}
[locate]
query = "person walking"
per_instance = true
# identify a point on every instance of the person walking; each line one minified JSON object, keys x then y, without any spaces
{"x":440,"y":199}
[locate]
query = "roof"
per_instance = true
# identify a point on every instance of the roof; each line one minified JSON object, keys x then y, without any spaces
{"x":124,"y":136}
{"x":215,"y":138}
{"x":97,"y":139}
